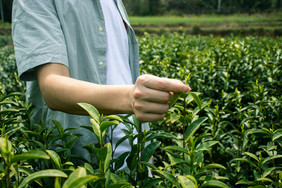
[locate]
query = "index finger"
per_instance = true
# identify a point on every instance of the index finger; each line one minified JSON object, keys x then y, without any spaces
{"x":163,"y":84}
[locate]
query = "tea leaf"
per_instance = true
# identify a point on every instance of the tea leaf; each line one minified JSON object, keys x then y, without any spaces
{"x":271,"y":158}
{"x":105,"y":125}
{"x":247,"y":161}
{"x":108,"y":157}
{"x":79,"y":172}
{"x":211,"y":166}
{"x":149,"y":165}
{"x":185,"y":182}
{"x":265,"y":180}
{"x":121,"y":140}
{"x":89,"y":168}
{"x":55,"y":157}
{"x":112,"y":117}
{"x":119,"y":162}
{"x":194,"y":127}
{"x":42,"y":174}
{"x":92,"y":111}
{"x":161,"y":136}
{"x":187,"y":78}
{"x":244,"y":182}
{"x":169,"y":177}
{"x":196,"y":99}
{"x":33,"y":154}
{"x":276,"y":135}
{"x":206,"y":145}
{"x":101,"y":153}
{"x":214,"y":183}
{"x":268,"y":171}
{"x":174,"y":99}
{"x":189,"y":98}
{"x":150,"y":150}
{"x":80,"y":181}
{"x":96,"y":129}
{"x":252,"y":156}
{"x":177,"y":148}
{"x":59,"y":127}
{"x":153,"y":182}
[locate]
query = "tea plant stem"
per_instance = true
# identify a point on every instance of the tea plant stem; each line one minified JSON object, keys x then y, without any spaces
{"x":7,"y":176}
{"x":140,"y":149}
{"x":111,"y":141}
{"x":184,"y":130}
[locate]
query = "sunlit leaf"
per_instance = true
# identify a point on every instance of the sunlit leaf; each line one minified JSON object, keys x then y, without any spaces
{"x":78,"y":173}
{"x":265,"y":180}
{"x":177,"y":148}
{"x":196,"y":99}
{"x":42,"y":174}
{"x":206,"y":145}
{"x":213,"y":165}
{"x":92,"y":111}
{"x":33,"y":154}
{"x":244,"y":182}
{"x":185,"y":182}
{"x":96,"y":129}
{"x":55,"y":157}
{"x":276,"y":135}
{"x":271,"y":158}
{"x":214,"y":183}
{"x":108,"y":157}
{"x":81,"y":181}
{"x":252,"y":156}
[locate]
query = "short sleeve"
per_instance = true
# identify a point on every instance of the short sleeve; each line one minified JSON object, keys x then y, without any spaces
{"x":37,"y":36}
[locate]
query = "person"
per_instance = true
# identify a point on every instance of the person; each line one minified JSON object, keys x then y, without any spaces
{"x":75,"y":51}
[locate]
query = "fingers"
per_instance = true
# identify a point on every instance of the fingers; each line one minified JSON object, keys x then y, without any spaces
{"x":162,"y":84}
{"x":152,"y":94}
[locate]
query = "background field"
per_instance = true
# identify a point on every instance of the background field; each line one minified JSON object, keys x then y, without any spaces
{"x":260,"y":24}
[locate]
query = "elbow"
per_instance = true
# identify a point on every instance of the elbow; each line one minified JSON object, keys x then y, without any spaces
{"x":51,"y":104}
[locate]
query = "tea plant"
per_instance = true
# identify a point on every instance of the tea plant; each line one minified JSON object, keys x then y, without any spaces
{"x":225,"y":133}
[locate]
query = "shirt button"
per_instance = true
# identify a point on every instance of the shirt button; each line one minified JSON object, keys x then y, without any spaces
{"x":100,"y":28}
{"x":100,"y":63}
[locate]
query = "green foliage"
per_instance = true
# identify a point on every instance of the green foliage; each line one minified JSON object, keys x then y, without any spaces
{"x":226,"y":132}
{"x":240,"y":85}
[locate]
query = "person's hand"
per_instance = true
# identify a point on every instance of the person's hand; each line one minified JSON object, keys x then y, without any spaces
{"x":151,"y":96}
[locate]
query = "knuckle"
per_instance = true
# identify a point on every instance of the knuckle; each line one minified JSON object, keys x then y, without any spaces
{"x":142,"y":78}
{"x":166,"y":108}
{"x":162,"y":84}
{"x":167,"y":97}
{"x":137,"y":93}
{"x":138,"y":106}
{"x":160,"y":117}
{"x":140,"y":116}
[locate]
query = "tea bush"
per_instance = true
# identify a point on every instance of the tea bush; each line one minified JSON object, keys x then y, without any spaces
{"x":225,"y":133}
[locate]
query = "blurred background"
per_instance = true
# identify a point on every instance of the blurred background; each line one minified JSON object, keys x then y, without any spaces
{"x":262,"y":17}
{"x":179,"y":7}
{"x":183,"y":7}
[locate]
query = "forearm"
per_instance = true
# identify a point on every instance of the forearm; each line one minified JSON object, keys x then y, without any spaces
{"x":148,"y":99}
{"x":67,"y":92}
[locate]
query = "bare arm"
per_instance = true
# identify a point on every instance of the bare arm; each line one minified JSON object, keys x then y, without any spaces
{"x":148,"y":98}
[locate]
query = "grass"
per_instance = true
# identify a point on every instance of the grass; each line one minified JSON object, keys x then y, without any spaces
{"x":206,"y":19}
{"x":262,"y":24}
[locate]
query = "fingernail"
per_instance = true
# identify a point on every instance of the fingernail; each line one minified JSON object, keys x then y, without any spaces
{"x":186,"y":88}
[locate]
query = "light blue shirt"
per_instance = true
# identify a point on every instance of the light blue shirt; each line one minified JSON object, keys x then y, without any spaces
{"x":70,"y":32}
